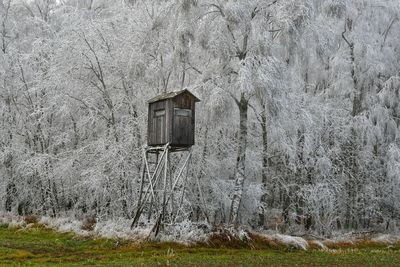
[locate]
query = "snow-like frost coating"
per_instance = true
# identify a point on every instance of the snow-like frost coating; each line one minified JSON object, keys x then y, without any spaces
{"x":12,"y":220}
{"x":387,"y":239}
{"x":64,"y":225}
{"x":299,"y":113}
{"x":319,"y":244}
{"x":186,"y":232}
{"x":293,"y":241}
{"x":120,"y":228}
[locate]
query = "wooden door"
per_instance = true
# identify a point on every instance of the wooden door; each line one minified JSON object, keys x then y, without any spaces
{"x":182,"y":126}
{"x":159,"y":128}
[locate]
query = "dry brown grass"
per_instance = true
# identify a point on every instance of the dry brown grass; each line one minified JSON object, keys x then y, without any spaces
{"x":264,"y":241}
{"x":225,"y":241}
{"x":31,"y":219}
{"x":223,"y":237}
{"x":316,"y":244}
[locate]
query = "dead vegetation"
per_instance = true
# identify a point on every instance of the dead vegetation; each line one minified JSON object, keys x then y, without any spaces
{"x":31,"y":219}
{"x":89,"y":223}
{"x":223,"y":236}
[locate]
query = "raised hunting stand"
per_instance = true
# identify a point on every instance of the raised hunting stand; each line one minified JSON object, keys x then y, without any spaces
{"x":171,"y":128}
{"x":171,"y":119}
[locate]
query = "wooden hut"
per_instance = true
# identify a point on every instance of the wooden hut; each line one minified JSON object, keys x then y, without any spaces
{"x":171,"y":119}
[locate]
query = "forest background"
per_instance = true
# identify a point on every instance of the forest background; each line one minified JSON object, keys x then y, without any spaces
{"x":297,"y":130}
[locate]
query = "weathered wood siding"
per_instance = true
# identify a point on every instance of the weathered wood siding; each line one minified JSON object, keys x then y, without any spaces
{"x":158,"y":123}
{"x":172,"y":120}
{"x":183,"y":126}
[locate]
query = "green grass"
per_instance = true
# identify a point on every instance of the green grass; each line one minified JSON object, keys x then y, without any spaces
{"x":43,"y":247}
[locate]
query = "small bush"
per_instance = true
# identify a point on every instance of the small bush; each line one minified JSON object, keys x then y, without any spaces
{"x":31,"y":219}
{"x":264,"y":241}
{"x":223,"y":236}
{"x":89,"y":223}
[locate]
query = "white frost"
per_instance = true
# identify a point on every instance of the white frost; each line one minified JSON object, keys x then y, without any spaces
{"x":293,"y":241}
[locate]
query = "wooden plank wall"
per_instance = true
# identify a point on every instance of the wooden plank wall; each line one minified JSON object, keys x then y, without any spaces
{"x":183,"y":127}
{"x":157,"y":126}
{"x":177,"y":130}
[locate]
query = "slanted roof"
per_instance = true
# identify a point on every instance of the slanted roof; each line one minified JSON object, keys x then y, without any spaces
{"x":172,"y":95}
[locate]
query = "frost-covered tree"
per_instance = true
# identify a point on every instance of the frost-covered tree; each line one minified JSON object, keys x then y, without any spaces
{"x":297,"y":129}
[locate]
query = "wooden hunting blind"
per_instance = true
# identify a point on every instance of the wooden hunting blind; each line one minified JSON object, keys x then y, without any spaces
{"x":171,"y":119}
{"x":171,"y":125}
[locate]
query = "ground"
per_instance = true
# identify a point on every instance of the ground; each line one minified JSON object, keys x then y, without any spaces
{"x":45,"y":247}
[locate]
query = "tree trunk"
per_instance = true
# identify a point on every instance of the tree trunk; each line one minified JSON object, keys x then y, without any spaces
{"x":198,"y":210}
{"x":240,"y":166}
{"x":264,"y":176}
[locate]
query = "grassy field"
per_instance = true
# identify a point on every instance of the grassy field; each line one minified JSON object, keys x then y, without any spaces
{"x":43,"y":247}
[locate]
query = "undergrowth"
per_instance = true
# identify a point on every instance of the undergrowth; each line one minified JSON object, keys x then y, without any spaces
{"x":45,"y":247}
